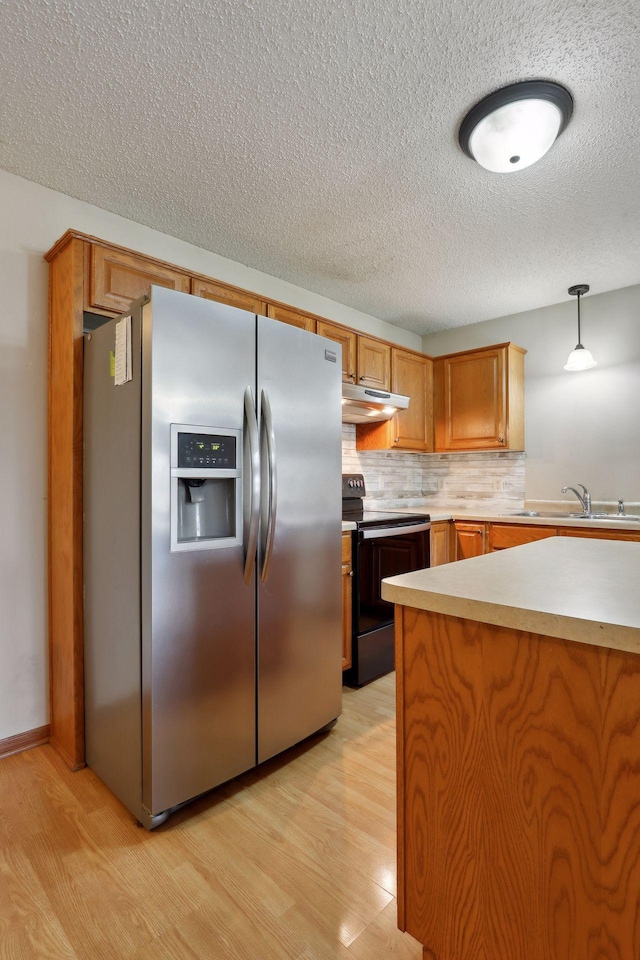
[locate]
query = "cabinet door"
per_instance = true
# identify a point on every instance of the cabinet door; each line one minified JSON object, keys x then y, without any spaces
{"x":502,"y":536}
{"x":412,"y":376}
{"x":472,"y":409}
{"x":116,"y":278}
{"x":374,"y":363}
{"x":347,"y":340}
{"x":220,"y":292}
{"x":470,"y":539}
{"x":347,"y":600}
{"x":440,"y":543}
{"x":293,"y":317}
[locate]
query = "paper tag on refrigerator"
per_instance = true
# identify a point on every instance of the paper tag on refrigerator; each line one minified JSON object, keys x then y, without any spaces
{"x":123,"y":352}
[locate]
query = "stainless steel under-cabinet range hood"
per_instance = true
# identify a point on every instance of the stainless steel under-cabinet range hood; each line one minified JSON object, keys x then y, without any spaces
{"x":366,"y":405}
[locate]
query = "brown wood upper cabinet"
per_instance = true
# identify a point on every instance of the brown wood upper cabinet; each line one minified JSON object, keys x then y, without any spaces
{"x":374,"y":363}
{"x":294,"y":318}
{"x":348,"y":340}
{"x":214,"y":290}
{"x":116,"y":278}
{"x":479,"y":399}
{"x":365,"y":360}
{"x":411,"y":429}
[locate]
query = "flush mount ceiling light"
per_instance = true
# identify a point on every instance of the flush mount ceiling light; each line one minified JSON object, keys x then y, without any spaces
{"x":515,"y":126}
{"x":580,"y":358}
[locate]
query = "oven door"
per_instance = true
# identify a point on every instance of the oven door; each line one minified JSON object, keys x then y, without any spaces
{"x":384,"y":552}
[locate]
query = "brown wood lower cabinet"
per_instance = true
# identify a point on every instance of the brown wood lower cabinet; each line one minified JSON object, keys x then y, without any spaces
{"x":518,"y":786}
{"x":440,"y":544}
{"x":347,"y":583}
{"x":470,"y":538}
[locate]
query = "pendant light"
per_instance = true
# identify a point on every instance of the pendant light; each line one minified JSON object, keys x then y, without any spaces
{"x":516,"y":125}
{"x":580,"y":358}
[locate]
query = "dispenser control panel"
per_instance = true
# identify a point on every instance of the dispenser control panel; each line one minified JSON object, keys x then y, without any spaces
{"x":206,"y":450}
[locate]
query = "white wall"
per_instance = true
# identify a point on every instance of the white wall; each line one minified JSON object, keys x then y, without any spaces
{"x":580,"y":427}
{"x":32,"y":219}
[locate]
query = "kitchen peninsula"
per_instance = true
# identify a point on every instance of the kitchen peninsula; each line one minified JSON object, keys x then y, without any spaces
{"x":519,"y":753}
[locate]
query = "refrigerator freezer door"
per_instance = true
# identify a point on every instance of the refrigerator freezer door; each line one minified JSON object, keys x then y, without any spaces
{"x":198,"y":614}
{"x":299,"y":600}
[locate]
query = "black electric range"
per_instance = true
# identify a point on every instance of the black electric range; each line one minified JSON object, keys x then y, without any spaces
{"x":385,"y":544}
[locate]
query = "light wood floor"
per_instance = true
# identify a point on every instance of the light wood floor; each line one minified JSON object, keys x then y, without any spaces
{"x":296,"y":860}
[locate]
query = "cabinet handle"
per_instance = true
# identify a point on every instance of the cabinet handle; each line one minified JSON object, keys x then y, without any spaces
{"x":352,"y":375}
{"x":351,"y":573}
{"x":396,"y":440}
{"x":479,"y":533}
{"x":500,"y":439}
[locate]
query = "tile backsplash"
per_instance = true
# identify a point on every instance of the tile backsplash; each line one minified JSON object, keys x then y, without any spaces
{"x":394,"y":479}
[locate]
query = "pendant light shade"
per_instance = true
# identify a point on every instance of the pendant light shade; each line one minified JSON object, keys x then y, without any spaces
{"x":580,"y":358}
{"x":515,"y":126}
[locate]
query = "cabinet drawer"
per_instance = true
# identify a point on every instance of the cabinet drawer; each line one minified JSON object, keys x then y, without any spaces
{"x":609,"y":534}
{"x":512,"y":535}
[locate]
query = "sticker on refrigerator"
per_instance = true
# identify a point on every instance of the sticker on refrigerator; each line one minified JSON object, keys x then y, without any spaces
{"x":123,"y":352}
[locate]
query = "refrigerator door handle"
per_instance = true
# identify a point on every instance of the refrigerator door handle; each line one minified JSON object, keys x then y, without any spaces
{"x":254,"y":499}
{"x":267,"y":424}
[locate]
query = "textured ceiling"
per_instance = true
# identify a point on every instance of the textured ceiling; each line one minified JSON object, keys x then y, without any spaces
{"x":316,"y":139}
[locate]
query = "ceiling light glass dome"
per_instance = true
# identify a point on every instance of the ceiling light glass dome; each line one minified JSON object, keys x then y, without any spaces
{"x":515,"y":126}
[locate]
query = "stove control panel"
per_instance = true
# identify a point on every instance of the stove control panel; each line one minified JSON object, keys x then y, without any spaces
{"x":353,"y":486}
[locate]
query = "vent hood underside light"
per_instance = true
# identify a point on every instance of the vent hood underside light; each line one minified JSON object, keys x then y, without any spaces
{"x":366,"y":405}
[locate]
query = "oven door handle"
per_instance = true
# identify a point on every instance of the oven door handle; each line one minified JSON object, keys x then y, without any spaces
{"x":376,"y":532}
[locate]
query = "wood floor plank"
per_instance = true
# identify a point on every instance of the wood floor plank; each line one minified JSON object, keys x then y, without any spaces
{"x":292,"y":861}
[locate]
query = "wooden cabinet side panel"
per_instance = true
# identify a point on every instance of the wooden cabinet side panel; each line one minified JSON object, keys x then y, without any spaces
{"x":347,"y":600}
{"x":519,"y":780}
{"x":117,"y":278}
{"x":515,"y":413}
{"x":65,"y":503}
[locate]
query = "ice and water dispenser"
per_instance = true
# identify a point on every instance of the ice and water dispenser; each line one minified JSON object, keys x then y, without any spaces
{"x":206,"y":491}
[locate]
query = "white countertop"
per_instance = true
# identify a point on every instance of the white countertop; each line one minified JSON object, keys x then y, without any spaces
{"x":490,"y":515}
{"x":577,"y":589}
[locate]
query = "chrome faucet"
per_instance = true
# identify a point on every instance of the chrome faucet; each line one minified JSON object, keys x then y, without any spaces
{"x":584,"y":498}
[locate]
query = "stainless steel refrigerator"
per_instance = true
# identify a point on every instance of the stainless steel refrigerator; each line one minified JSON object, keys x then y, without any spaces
{"x":212,"y":557}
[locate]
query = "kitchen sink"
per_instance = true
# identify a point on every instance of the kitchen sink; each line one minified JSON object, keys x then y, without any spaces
{"x":614,"y":516}
{"x":554,"y":514}
{"x":543,"y":513}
